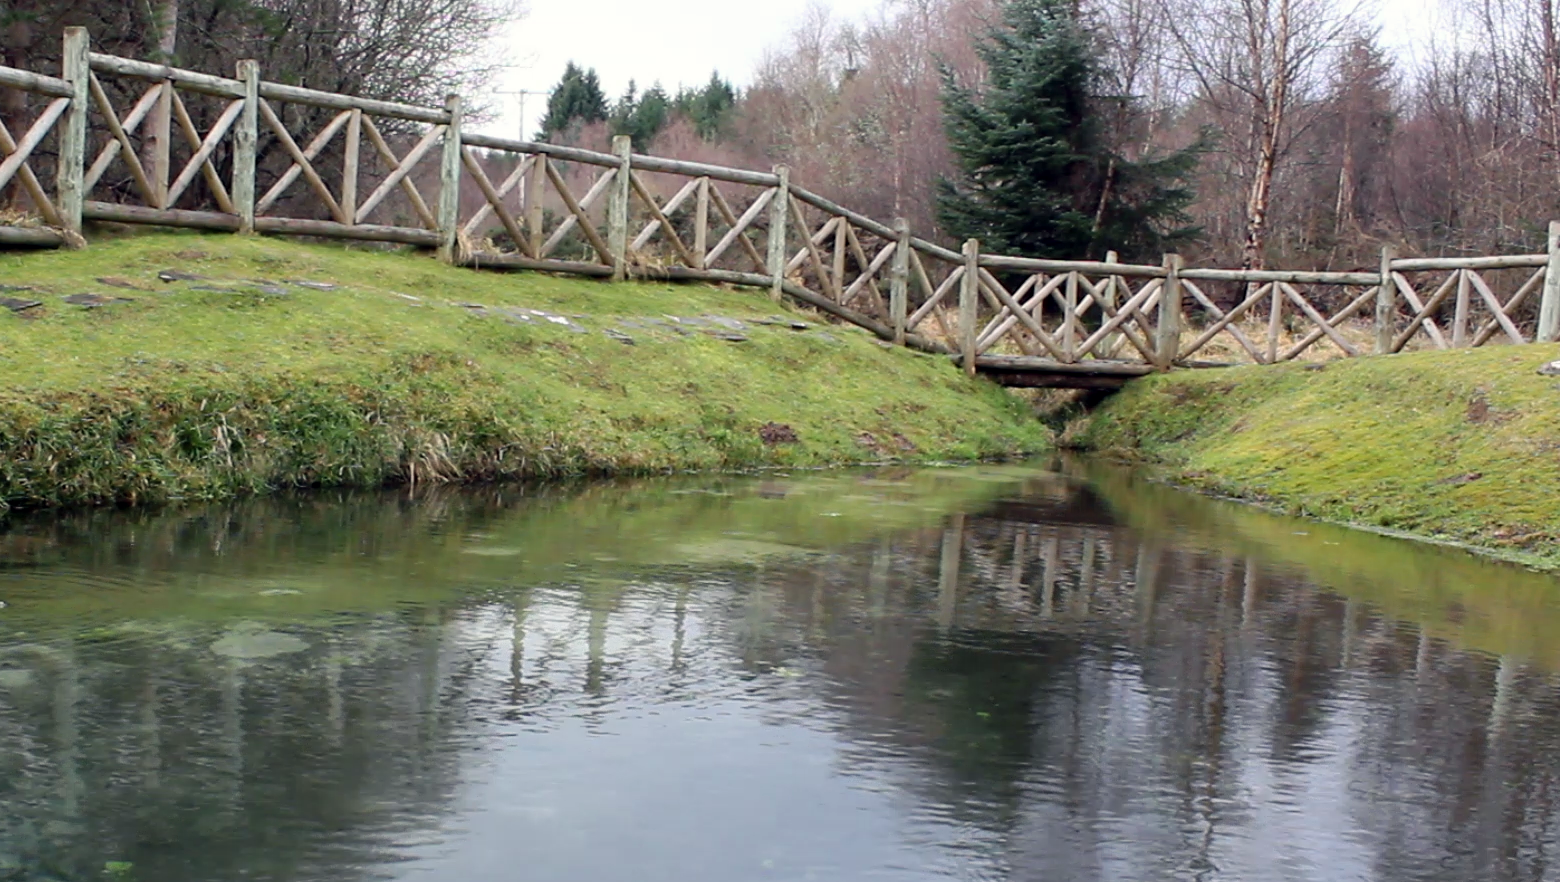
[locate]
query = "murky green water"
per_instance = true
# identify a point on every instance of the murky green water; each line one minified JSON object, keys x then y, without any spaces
{"x":987,"y":673}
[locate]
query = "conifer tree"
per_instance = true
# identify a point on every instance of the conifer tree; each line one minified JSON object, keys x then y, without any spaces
{"x":641,"y":117}
{"x":577,"y":99}
{"x":1038,"y":174}
{"x":709,"y":107}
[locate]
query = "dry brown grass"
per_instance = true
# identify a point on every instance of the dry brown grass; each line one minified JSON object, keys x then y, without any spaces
{"x":15,"y":217}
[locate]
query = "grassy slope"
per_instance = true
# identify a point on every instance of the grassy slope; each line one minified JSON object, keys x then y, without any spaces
{"x":189,"y":393}
{"x":1463,"y":445}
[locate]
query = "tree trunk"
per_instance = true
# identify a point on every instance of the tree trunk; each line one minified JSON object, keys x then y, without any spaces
{"x":13,"y":102}
{"x":1343,"y":213}
{"x":1551,"y":62}
{"x":1274,"y":105}
{"x":156,"y":137}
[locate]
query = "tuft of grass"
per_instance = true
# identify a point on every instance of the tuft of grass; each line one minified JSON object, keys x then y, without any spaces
{"x":1461,"y":445}
{"x":181,"y":392}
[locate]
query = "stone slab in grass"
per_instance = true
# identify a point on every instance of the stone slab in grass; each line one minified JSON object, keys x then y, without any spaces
{"x":93,"y":301}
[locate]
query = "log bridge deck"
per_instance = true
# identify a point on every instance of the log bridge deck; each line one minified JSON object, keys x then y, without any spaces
{"x":1029,"y":372}
{"x":282,"y":159}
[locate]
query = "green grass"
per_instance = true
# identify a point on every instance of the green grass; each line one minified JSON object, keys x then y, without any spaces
{"x":184,"y":393}
{"x":1461,"y":445}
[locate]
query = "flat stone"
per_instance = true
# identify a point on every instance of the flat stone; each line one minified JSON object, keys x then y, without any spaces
{"x":652,"y":324}
{"x":689,"y":322}
{"x":313,"y":286}
{"x":1551,"y":369}
{"x":93,"y":301}
{"x":178,"y":276}
{"x":782,"y":322}
{"x":729,"y":336}
{"x":560,"y":320}
{"x":510,"y":314}
{"x":729,"y":324}
{"x":273,"y":290}
{"x":15,"y":289}
{"x":16,"y":304}
{"x":407,"y":297}
{"x":619,"y":336}
{"x":122,"y":282}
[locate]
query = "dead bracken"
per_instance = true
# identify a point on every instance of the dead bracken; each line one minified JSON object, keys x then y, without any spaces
{"x":777,"y":433}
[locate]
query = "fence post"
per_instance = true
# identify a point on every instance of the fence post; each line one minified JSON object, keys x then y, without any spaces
{"x":1167,"y":339}
{"x":246,"y":135}
{"x":899,"y":281}
{"x":535,"y":215}
{"x":777,"y":232}
{"x":449,"y":184}
{"x":617,"y":207}
{"x":1549,"y":310}
{"x":969,"y":304}
{"x":701,"y":222}
{"x":71,"y":183}
{"x":1386,"y":304}
{"x":1108,"y":301}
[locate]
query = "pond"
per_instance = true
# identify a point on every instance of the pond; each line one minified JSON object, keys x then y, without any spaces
{"x":998,"y":672}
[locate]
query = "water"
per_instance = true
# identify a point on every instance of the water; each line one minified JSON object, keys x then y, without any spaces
{"x":984,"y":673}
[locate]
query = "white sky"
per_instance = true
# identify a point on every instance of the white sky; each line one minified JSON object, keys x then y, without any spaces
{"x":679,"y":42}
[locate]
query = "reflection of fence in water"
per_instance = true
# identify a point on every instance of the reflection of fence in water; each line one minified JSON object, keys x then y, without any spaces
{"x":1182,"y":621}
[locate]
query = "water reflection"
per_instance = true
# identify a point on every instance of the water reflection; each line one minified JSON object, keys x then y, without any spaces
{"x":973,"y":674}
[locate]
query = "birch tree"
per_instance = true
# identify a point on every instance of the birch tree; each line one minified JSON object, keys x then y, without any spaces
{"x":1257,"y":67}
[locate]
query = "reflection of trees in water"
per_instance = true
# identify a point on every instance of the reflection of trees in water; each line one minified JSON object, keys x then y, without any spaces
{"x":145,"y":747}
{"x":1099,"y":705}
{"x":1121,"y":709}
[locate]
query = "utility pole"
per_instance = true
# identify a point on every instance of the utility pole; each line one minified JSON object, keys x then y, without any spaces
{"x":522,"y":93}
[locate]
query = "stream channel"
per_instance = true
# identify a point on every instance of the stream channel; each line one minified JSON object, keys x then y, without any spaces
{"x":1024,"y":672}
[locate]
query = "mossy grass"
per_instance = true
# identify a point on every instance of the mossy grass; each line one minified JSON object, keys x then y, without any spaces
{"x":181,"y":391}
{"x":1461,"y":445}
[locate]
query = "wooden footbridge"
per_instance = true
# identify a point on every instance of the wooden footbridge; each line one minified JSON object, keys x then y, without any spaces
{"x":142,"y":143}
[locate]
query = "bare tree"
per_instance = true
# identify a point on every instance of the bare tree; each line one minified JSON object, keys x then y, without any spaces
{"x":1257,"y":68}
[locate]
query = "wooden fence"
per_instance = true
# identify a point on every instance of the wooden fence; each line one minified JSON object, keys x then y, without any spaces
{"x":629,"y":215}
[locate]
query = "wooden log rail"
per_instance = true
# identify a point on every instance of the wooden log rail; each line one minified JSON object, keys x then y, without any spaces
{"x":239,"y":154}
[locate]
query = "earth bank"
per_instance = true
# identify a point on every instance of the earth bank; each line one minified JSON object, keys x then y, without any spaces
{"x":184,"y":366}
{"x":1462,"y":446}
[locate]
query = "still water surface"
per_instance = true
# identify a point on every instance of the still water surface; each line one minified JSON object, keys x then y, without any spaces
{"x":979,"y":673}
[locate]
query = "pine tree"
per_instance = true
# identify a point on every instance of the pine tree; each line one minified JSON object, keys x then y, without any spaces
{"x":709,"y":107}
{"x":1038,"y":175}
{"x":641,"y":117}
{"x":577,"y":99}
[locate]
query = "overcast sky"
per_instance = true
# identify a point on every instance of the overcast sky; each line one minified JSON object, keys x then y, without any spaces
{"x":679,"y":42}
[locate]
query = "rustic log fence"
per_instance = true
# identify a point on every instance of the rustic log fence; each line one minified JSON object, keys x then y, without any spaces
{"x":999,"y":314}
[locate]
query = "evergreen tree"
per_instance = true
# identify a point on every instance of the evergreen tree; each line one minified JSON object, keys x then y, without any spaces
{"x":642,"y":117}
{"x":577,"y":99}
{"x":1038,"y":175}
{"x":709,"y":107}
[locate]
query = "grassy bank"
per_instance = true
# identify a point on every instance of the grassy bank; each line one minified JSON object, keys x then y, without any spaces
{"x":1461,"y":445}
{"x":386,"y":367}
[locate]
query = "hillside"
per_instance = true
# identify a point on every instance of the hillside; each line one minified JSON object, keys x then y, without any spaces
{"x":1462,"y":445}
{"x":167,"y":366}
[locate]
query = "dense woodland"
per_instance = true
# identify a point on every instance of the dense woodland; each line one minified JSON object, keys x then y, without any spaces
{"x":1318,"y":143}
